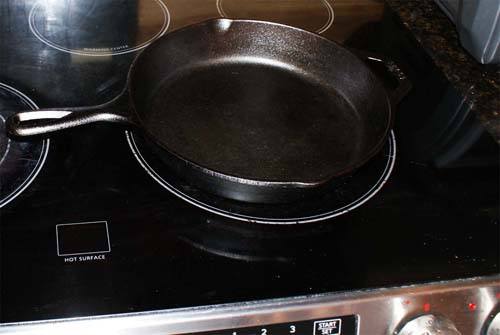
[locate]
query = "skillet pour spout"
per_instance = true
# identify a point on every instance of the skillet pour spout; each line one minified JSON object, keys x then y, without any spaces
{"x":248,"y":110}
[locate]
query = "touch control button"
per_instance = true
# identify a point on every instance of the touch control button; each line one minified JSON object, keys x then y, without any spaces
{"x":429,"y":324}
{"x":82,"y":238}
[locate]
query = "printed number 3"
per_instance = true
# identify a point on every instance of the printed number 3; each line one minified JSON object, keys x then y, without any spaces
{"x":292,"y":329}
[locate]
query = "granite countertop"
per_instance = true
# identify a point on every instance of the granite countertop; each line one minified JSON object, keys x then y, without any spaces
{"x":479,"y":84}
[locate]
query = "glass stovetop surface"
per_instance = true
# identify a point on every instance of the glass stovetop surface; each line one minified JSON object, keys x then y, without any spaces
{"x":95,"y":233}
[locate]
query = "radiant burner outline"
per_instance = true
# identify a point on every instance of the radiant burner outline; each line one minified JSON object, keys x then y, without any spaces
{"x":391,"y":160}
{"x":41,"y":159}
{"x":322,"y":29}
{"x":120,"y":50}
{"x":7,"y":146}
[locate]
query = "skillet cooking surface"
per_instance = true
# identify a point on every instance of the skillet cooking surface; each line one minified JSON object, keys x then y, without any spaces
{"x":255,"y":121}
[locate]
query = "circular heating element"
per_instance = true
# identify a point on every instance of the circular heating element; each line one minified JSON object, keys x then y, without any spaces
{"x":289,"y":12}
{"x":99,"y":27}
{"x":4,"y":141}
{"x":20,"y":162}
{"x":345,"y":194}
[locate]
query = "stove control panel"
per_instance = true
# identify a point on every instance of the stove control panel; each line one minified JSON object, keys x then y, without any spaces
{"x":339,"y":325}
{"x":460,"y":307}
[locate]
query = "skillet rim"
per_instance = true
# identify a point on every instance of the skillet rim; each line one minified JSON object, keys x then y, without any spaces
{"x":260,"y":182}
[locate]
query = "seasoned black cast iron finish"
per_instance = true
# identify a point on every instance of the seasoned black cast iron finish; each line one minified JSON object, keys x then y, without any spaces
{"x":248,"y":110}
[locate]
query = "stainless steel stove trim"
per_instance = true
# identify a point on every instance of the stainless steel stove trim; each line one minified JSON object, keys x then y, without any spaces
{"x":380,"y":311}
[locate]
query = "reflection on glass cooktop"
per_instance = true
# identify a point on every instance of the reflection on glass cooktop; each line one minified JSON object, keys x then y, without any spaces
{"x":145,"y":248}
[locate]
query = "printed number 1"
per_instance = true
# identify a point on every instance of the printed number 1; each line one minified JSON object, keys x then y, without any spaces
{"x":263,"y":331}
{"x":292,"y":329}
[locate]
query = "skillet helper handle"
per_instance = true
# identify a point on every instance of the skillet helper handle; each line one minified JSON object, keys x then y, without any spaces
{"x":51,"y":120}
{"x":403,"y":83}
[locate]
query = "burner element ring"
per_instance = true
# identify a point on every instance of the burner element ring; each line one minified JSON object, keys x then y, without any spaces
{"x":121,"y":47}
{"x":389,"y":155}
{"x":7,"y":145}
{"x":326,"y":4}
{"x":22,"y":161}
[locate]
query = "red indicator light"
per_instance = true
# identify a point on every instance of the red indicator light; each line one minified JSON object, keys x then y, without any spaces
{"x":498,"y":295}
{"x":472,"y":306}
{"x":427,"y":307}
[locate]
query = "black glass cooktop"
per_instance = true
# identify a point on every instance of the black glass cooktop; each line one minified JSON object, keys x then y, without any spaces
{"x":103,"y":227}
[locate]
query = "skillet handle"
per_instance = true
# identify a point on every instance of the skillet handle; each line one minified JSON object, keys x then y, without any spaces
{"x":51,"y":120}
{"x":404,"y":85}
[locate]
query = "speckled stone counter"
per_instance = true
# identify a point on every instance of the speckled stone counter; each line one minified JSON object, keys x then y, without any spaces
{"x":479,"y":84}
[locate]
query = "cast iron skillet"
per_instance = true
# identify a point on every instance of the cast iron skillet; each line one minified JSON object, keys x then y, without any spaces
{"x":248,"y":110}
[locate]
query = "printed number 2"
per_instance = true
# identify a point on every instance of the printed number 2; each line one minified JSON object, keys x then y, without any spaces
{"x":292,"y":329}
{"x":263,"y":331}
